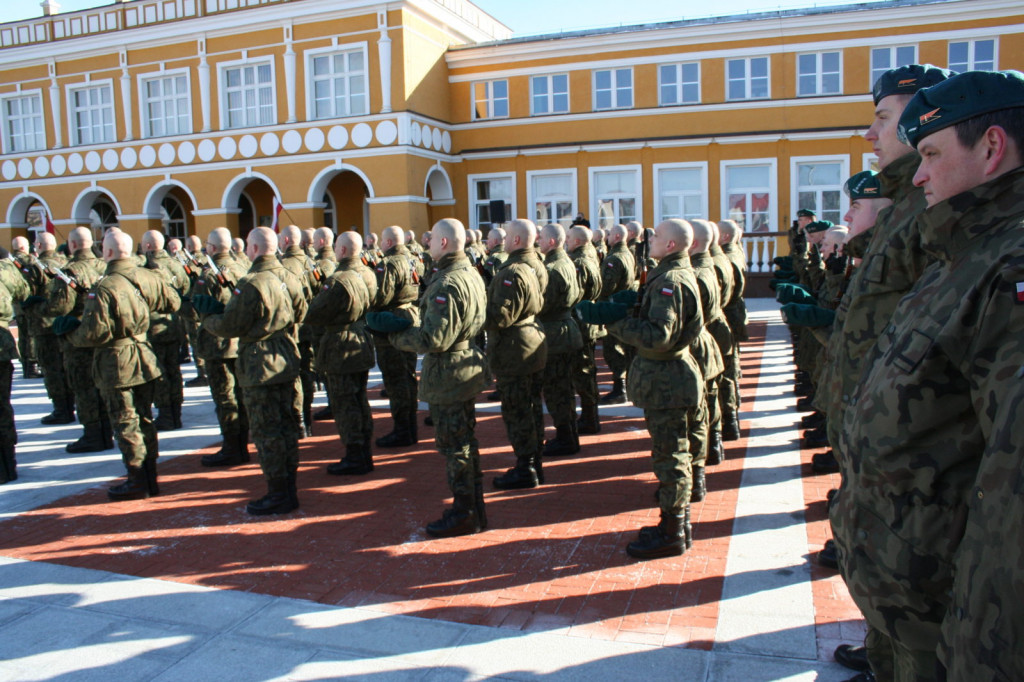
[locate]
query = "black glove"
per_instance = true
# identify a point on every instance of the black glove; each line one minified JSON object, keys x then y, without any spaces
{"x":602,"y":312}
{"x":386,"y":322}
{"x":625,"y":297}
{"x":207,"y":305}
{"x":65,"y":324}
{"x":32,"y":300}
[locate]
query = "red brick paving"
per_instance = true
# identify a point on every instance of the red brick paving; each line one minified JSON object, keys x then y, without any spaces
{"x":552,"y":557}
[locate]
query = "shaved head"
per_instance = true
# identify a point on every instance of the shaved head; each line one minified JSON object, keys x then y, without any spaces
{"x":290,"y":235}
{"x":495,"y":238}
{"x":446,"y":237}
{"x":616,"y":233}
{"x":152,"y":241}
{"x":348,"y":245}
{"x":521,"y":234}
{"x":80,"y":238}
{"x":703,"y":234}
{"x":729,"y":232}
{"x":577,"y":237}
{"x":19,"y":245}
{"x":634,"y":229}
{"x":262,"y":241}
{"x":307,"y":236}
{"x":392,"y":236}
{"x":671,"y":236}
{"x":323,"y":238}
{"x":194,"y":244}
{"x":552,"y":236}
{"x":219,"y":241}
{"x":45,"y":242}
{"x":117,"y":244}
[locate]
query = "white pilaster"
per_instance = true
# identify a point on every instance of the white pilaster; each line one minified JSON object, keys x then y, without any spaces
{"x":204,"y":86}
{"x":384,"y":54}
{"x":289,"y":73}
{"x":126,"y":96}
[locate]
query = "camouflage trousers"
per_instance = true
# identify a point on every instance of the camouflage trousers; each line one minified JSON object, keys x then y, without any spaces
{"x":8,"y":432}
{"x":54,"y":377}
{"x":880,"y":654}
{"x":522,"y":412}
{"x":669,"y":430}
{"x":714,"y":407}
{"x":131,"y":418}
{"x":273,"y":428}
{"x":558,"y":393}
{"x":26,"y":342}
{"x":227,"y":398}
{"x":729,"y":382}
{"x":169,"y":388}
{"x":192,"y":331}
{"x":351,"y":407}
{"x":617,"y":357}
{"x":455,"y":438}
{"x":398,"y":369}
{"x":584,"y":373}
{"x":307,"y":373}
{"x":78,"y":365}
{"x":698,"y":433}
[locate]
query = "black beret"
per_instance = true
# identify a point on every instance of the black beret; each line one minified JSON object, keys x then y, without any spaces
{"x":863,"y":185}
{"x":906,"y":80}
{"x":962,"y":97}
{"x":819,"y":226}
{"x":805,"y":213}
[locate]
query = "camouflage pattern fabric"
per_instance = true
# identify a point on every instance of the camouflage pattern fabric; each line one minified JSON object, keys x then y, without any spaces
{"x":735,"y":309}
{"x":273,"y":429}
{"x":167,"y":332}
{"x":47,"y":347}
{"x":131,"y":418}
{"x":397,"y":291}
{"x":584,"y":370}
{"x":563,"y":336}
{"x":454,"y":435}
{"x":227,"y":397}
{"x":618,"y":273}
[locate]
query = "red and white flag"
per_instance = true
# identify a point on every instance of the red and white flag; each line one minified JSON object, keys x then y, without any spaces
{"x":278,"y":207}
{"x":50,"y":227}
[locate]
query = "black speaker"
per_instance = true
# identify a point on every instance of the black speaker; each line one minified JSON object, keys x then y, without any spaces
{"x":497,"y":212}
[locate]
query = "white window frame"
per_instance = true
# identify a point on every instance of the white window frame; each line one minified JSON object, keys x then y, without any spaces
{"x":531,"y":198}
{"x":592,"y":197}
{"x":678,"y":83}
{"x":69,"y":97}
{"x":330,"y":51}
{"x":5,"y":120}
{"x":818,"y":73}
{"x":471,"y":181}
{"x":489,"y":99}
{"x":747,"y":78}
{"x":551,"y":94}
{"x":867,"y":160}
{"x":614,"y":88}
{"x":971,"y":43}
{"x":702,"y":166}
{"x":222,"y":68}
{"x":142,"y":80}
{"x":794,"y":177}
{"x":892,"y":53}
{"x":773,"y":186}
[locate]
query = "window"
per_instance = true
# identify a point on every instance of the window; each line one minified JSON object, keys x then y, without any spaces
{"x":748,"y":192}
{"x":338,"y":84}
{"x":490,"y":99}
{"x":972,"y":55}
{"x":678,"y":84}
{"x":818,"y":74}
{"x":616,"y":195}
{"x":681,"y":192}
{"x":549,"y":95}
{"x":330,"y":213}
{"x":885,"y":58}
{"x":92,"y":115}
{"x":484,"y":190}
{"x":23,"y":124}
{"x":613,"y":89}
{"x":747,"y":78}
{"x":166,"y":106}
{"x":248,"y":95}
{"x":819,"y":186}
{"x":553,"y":197}
{"x":172,"y":218}
{"x":102,"y":215}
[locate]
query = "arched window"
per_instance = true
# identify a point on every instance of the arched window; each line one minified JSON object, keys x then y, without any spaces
{"x":101,"y":216}
{"x":330,"y":219}
{"x":172,"y":216}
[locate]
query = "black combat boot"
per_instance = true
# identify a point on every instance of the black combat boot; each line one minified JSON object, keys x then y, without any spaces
{"x":91,"y":441}
{"x":616,"y":396}
{"x":478,"y":495}
{"x":149,"y":469}
{"x":852,"y":657}
{"x":412,"y":425}
{"x":589,"y":421}
{"x":135,"y":486}
{"x":8,"y":465}
{"x":307,"y":420}
{"x":825,"y":463}
{"x":459,"y":520}
{"x":165,"y":420}
{"x":538,"y":465}
{"x":323,"y":414}
{"x":400,"y":437}
{"x":716,"y":451}
{"x":293,"y":489}
{"x":276,"y":501}
{"x":108,"y":433}
{"x":816,"y":438}
{"x":665,"y":539}
{"x":354,"y":463}
{"x":230,"y":453}
{"x":63,"y":413}
{"x":730,"y":425}
{"x":699,"y":489}
{"x":812,"y":420}
{"x":522,"y":475}
{"x":563,"y":443}
{"x":829,"y":555}
{"x":687,"y":528}
{"x":30,"y":370}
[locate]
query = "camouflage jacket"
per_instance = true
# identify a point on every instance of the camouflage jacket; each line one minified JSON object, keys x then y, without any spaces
{"x":13,"y":287}
{"x":267,"y":304}
{"x":451,"y":314}
{"x":168,"y":329}
{"x":588,"y":269}
{"x":664,"y":374}
{"x":706,"y":350}
{"x":41,"y":275}
{"x":338,"y":309}
{"x":561,"y":295}
{"x":517,"y":346}
{"x":617,"y":273}
{"x":935,"y":402}
{"x":115,"y":322}
{"x":86,"y":270}
{"x":735,"y":309}
{"x":326,"y":262}
{"x":723,"y":270}
{"x":295,"y":261}
{"x":493,"y":262}
{"x":210,"y":346}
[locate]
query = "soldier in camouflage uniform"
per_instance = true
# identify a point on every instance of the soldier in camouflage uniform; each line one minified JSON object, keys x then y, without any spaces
{"x":664,"y":380}
{"x":115,"y":322}
{"x":26,"y":345}
{"x":517,"y":352}
{"x":735,"y":311}
{"x":451,"y":314}
{"x":238,"y":252}
{"x":268,"y":304}
{"x":564,"y":340}
{"x":428,"y":261}
{"x":220,"y":355}
{"x":302,"y":267}
{"x":617,"y":274}
{"x":728,"y":386}
{"x":397,"y":292}
{"x":13,"y":287}
{"x":496,"y":255}
{"x":345,"y":351}
{"x":599,"y":243}
{"x":193,"y":256}
{"x":584,"y":369}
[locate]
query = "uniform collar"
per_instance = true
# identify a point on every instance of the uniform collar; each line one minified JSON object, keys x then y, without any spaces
{"x":897,"y":179}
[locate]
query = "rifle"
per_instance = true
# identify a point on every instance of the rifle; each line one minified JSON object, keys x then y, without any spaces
{"x":69,"y":280}
{"x":317,"y":275}
{"x":218,"y":274}
{"x":183,"y":259}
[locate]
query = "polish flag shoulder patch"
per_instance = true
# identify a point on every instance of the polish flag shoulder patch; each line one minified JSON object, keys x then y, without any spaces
{"x":440,"y":300}
{"x":93,"y":295}
{"x":667,"y":291}
{"x":507,"y":282}
{"x":237,"y":292}
{"x":1020,"y":292}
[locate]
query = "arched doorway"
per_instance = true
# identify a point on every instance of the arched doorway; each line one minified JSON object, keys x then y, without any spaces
{"x":440,"y":198}
{"x":342,"y":191}
{"x":251,"y":198}
{"x":172,"y":218}
{"x":247,"y":218}
{"x":172,"y":203}
{"x":330,"y":213}
{"x":102,"y":215}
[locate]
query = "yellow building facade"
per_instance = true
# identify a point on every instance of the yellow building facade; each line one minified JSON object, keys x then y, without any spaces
{"x":184,"y":115}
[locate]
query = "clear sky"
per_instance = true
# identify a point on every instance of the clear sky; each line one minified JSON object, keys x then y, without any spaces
{"x":530,"y":17}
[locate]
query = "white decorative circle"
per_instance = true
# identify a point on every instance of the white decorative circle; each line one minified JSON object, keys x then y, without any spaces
{"x":75,"y":163}
{"x":207,"y":150}
{"x":269,"y":144}
{"x":25,"y":168}
{"x":314,"y":139}
{"x":427,"y":132}
{"x":362,"y":135}
{"x":129,"y":157}
{"x":147,"y":155}
{"x":58,"y":165}
{"x":292,"y":141}
{"x":93,"y":161}
{"x":337,"y":137}
{"x":437,"y":138}
{"x":167,"y":153}
{"x":186,"y":152}
{"x":248,"y":146}
{"x":387,"y":132}
{"x":42,"y":166}
{"x":110,"y":159}
{"x":446,"y":142}
{"x":415,"y":133}
{"x":227,"y":147}
{"x":10,"y":170}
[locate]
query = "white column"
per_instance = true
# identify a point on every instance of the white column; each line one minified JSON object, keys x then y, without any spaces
{"x":289,"y":73}
{"x":126,"y":96}
{"x":204,"y":86}
{"x":384,"y":54}
{"x":58,"y":137}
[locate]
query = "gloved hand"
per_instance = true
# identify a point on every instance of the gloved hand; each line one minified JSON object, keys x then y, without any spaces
{"x":794,"y":293}
{"x":836,"y":264}
{"x":32,"y":300}
{"x":65,"y":324}
{"x":206,"y":305}
{"x":803,"y":315}
{"x":626,"y":297}
{"x":783,"y":262}
{"x":784,"y":274}
{"x":386,"y":322}
{"x":603,"y":312}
